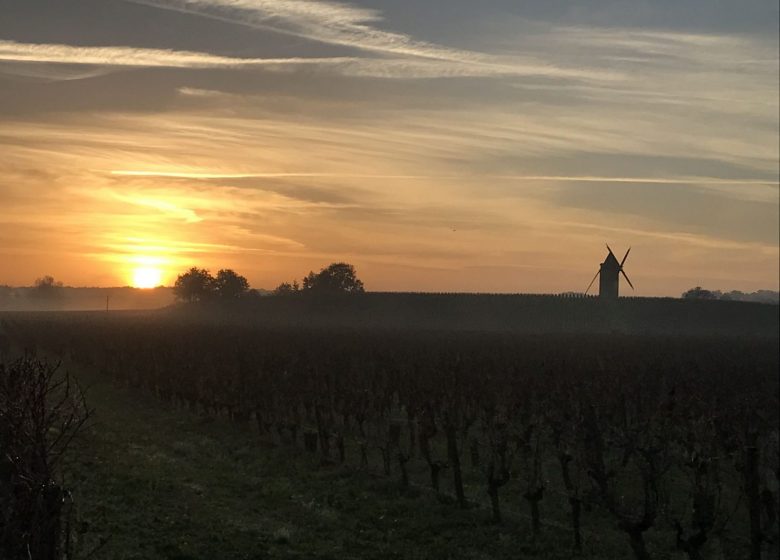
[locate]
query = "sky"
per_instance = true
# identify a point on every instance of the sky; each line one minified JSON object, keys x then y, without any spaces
{"x":437,"y":145}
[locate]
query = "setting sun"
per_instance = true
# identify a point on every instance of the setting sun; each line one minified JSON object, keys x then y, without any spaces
{"x":147,"y":277}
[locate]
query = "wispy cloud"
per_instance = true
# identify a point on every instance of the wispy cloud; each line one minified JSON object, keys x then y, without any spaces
{"x":166,"y":207}
{"x":762,"y":189}
{"x":324,"y":21}
{"x":138,"y":57}
{"x":294,"y":175}
{"x":23,"y":54}
{"x":687,"y":238}
{"x":401,"y":55}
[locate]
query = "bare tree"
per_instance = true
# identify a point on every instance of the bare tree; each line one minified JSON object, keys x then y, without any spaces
{"x":41,"y":410}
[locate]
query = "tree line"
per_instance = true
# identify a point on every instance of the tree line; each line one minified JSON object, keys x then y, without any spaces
{"x":760,"y":296}
{"x":198,"y":285}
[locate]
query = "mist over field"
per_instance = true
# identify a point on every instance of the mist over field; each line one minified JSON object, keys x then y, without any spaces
{"x":127,"y":298}
{"x":84,"y":299}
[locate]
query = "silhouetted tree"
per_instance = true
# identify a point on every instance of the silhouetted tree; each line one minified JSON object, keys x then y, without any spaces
{"x":195,"y":285}
{"x":699,"y":293}
{"x":47,"y":288}
{"x":760,"y":296}
{"x":41,"y":411}
{"x":287,"y":288}
{"x":338,"y":278}
{"x":230,"y":286}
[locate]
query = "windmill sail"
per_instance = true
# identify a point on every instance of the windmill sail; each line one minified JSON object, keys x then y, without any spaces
{"x":626,"y":277}
{"x":623,"y":272}
{"x":625,"y":257}
{"x":591,"y":282}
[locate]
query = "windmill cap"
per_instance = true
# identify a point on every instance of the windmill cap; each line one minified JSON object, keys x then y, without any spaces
{"x":611,"y":260}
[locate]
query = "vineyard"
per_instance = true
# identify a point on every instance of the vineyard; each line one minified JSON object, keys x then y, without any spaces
{"x":669,"y":444}
{"x":517,"y":313}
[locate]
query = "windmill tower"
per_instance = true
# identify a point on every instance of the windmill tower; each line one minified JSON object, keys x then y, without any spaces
{"x":609,"y":276}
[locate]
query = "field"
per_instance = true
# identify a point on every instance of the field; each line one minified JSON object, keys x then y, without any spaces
{"x":537,"y":428}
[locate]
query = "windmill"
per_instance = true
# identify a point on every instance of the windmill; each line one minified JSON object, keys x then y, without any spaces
{"x":610,"y":271}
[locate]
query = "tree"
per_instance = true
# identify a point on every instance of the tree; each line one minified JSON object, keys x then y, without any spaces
{"x":699,"y":293}
{"x":195,"y":285}
{"x":41,"y":411}
{"x":287,"y":288}
{"x":47,"y":288}
{"x":338,"y":278}
{"x":230,"y":286}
